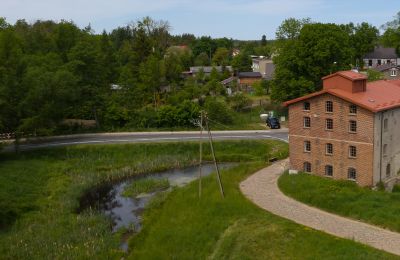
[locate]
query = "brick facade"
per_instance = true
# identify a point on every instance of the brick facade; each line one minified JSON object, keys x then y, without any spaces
{"x":340,"y":137}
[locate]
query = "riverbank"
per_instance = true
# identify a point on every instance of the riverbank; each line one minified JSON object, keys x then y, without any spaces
{"x":40,"y":191}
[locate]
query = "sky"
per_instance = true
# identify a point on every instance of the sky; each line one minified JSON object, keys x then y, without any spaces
{"x":237,"y":19}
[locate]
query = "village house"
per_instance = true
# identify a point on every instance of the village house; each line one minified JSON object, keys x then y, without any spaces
{"x":381,"y":56}
{"x":389,"y":71}
{"x":264,"y":66}
{"x":348,"y":130}
{"x":193,"y":71}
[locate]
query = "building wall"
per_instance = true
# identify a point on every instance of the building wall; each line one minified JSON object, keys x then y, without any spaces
{"x":391,"y":138}
{"x":387,"y":74}
{"x":248,"y":81}
{"x":383,"y":61}
{"x":339,"y":137}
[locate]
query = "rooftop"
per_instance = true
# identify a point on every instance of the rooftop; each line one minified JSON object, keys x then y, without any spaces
{"x":249,"y":74}
{"x":382,"y":53}
{"x":379,"y":95}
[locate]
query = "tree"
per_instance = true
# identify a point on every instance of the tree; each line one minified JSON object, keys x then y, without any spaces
{"x":363,"y":39}
{"x":391,"y":36}
{"x":221,"y":57}
{"x":290,"y":28}
{"x":264,"y":40}
{"x":242,"y":62}
{"x":152,"y":74}
{"x":202,"y":59}
{"x":320,"y":49}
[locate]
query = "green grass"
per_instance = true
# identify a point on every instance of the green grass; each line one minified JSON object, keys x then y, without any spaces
{"x":182,"y":226}
{"x":40,"y":191}
{"x":345,"y":198}
{"x":144,"y":186}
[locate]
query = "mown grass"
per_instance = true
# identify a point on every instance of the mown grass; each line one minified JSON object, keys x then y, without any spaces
{"x":345,"y":198}
{"x":182,"y":226}
{"x":40,"y":191}
{"x":144,"y":186}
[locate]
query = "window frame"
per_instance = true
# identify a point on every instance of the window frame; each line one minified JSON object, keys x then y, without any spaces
{"x":307,"y":146}
{"x":350,"y":173}
{"x":385,"y":124}
{"x":352,"y":126}
{"x":393,"y":73}
{"x":330,"y":120}
{"x":307,"y":167}
{"x":329,"y":170}
{"x":352,"y":151}
{"x":352,"y":109}
{"x":329,"y":106}
{"x":305,"y":119}
{"x":327,"y":145}
{"x":306,"y":106}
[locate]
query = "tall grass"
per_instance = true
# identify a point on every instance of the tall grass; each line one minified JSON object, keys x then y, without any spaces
{"x":345,"y":198}
{"x":145,"y":186}
{"x":182,"y":226}
{"x":40,"y":192}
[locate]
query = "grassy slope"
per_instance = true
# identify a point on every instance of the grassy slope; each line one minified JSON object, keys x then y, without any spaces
{"x":344,"y":198}
{"x":39,"y":193}
{"x":183,"y":227}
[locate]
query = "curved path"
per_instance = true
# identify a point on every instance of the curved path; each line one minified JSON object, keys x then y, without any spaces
{"x":262,"y":189}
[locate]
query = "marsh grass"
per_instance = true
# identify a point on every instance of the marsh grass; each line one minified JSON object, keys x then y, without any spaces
{"x":145,"y":186}
{"x":40,"y":192}
{"x":344,"y":198}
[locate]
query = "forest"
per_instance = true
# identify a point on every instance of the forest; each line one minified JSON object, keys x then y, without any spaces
{"x":53,"y":71}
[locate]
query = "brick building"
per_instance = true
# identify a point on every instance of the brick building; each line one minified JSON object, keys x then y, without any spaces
{"x":348,"y":130}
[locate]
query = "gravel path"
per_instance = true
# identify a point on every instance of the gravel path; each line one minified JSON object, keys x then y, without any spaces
{"x":262,"y":189}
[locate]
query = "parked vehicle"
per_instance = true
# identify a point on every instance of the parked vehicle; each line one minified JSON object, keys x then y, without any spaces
{"x":273,"y":123}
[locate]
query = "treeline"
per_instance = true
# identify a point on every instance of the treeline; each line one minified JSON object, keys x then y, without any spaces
{"x":52,"y":71}
{"x":306,"y":51}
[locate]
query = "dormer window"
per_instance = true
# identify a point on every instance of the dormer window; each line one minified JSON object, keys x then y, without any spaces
{"x":329,"y":106}
{"x":393,"y":73}
{"x":306,"y":106}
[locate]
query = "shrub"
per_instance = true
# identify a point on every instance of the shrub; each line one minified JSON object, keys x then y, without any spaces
{"x":218,"y":110}
{"x":396,"y":188}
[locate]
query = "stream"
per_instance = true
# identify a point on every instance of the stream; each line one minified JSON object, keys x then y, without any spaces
{"x":126,"y":212}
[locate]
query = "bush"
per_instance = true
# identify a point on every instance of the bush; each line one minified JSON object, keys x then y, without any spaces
{"x":218,"y":110}
{"x":239,"y":101}
{"x":396,"y":188}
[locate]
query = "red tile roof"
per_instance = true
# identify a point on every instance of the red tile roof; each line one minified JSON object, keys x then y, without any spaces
{"x":380,"y":95}
{"x":348,"y":74}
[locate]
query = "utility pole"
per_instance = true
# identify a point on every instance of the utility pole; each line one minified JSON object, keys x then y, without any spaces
{"x":215,"y":160}
{"x":201,"y":150}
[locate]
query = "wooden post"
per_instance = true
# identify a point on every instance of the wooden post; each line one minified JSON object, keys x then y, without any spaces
{"x":215,"y":160}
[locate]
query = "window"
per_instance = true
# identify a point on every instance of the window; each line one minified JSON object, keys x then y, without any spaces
{"x":370,"y":63}
{"x":307,"y":167}
{"x":306,"y":106}
{"x":307,"y":146}
{"x":352,"y":151}
{"x":385,"y":124}
{"x":329,"y":106}
{"x":307,"y":122}
{"x":379,"y":62}
{"x":352,"y":126}
{"x":329,"y":124}
{"x":385,"y":149}
{"x":351,"y":174}
{"x":393,"y":73}
{"x":388,"y":170}
{"x":329,"y":149}
{"x":353,"y":109}
{"x":328,"y":170}
{"x":388,"y":62}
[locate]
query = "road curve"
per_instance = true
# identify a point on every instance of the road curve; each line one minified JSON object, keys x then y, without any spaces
{"x":262,"y":189}
{"x":145,"y":137}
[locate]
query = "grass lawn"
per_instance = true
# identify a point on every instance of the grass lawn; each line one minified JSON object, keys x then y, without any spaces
{"x":344,"y":198}
{"x":40,"y":191}
{"x":182,"y":226}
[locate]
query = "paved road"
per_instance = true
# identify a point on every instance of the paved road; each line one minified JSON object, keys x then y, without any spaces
{"x":262,"y":189}
{"x":144,"y":137}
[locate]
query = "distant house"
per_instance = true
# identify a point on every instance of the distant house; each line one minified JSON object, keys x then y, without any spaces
{"x":229,"y":84}
{"x":381,"y":56}
{"x":389,"y":71}
{"x":206,"y":70}
{"x":265,"y":66}
{"x":247,"y":79}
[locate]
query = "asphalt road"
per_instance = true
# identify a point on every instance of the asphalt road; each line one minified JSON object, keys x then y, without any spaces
{"x":145,"y":137}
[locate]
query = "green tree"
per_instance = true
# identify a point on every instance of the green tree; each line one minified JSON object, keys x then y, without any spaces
{"x":221,"y":56}
{"x":242,"y":62}
{"x":320,"y":49}
{"x":363,"y":39}
{"x":290,"y":28}
{"x":202,"y":59}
